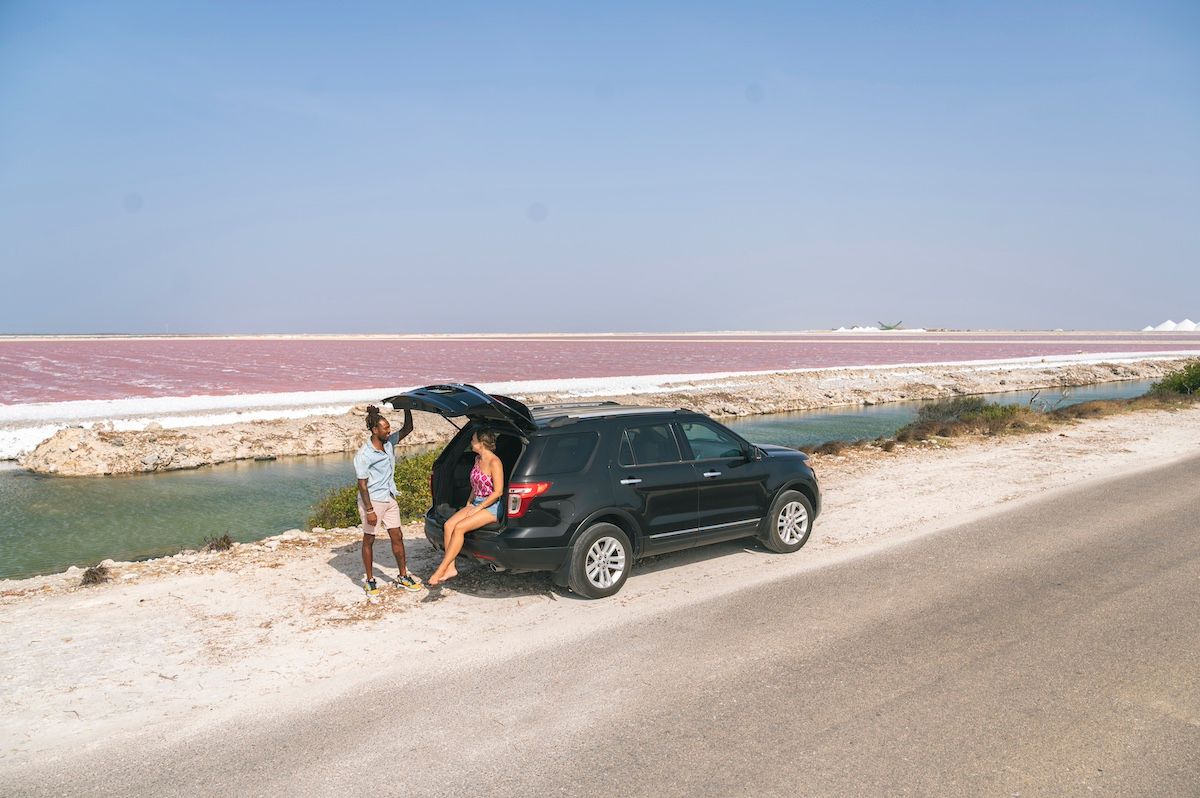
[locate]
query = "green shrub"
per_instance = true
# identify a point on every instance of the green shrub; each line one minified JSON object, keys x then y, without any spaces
{"x":965,"y":415}
{"x":339,"y":507}
{"x":1093,"y":409}
{"x":412,"y":477}
{"x":837,"y":447}
{"x":956,"y":409}
{"x":830,"y":447}
{"x":997,"y":418}
{"x":1184,"y":381}
{"x":1000,"y":412}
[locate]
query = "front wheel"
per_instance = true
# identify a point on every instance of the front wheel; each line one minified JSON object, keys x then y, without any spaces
{"x":789,"y":523}
{"x":600,"y":561}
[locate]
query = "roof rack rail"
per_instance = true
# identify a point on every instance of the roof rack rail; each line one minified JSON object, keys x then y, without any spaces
{"x":560,"y":421}
{"x":570,"y":405}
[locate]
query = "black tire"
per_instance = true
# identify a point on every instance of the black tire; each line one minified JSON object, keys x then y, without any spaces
{"x":784,"y":535}
{"x":610,"y":554}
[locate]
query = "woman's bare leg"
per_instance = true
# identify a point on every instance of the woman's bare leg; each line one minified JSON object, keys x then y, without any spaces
{"x":448,"y":529}
{"x":452,"y":522}
{"x":447,"y":570}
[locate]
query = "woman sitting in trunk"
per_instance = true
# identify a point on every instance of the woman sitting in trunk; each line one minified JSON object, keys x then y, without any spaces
{"x":487,"y":484}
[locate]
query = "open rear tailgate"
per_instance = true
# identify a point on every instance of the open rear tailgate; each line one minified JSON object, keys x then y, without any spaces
{"x":458,"y":399}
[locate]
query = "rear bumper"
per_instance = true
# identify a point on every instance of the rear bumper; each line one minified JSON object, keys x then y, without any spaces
{"x":492,"y":548}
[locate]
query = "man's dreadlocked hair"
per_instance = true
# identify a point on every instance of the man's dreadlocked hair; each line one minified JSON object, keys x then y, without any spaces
{"x":373,"y":416}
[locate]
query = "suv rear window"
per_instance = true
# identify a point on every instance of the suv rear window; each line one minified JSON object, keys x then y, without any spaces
{"x":562,"y":454}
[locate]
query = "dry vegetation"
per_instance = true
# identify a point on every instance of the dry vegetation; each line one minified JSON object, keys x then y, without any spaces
{"x":974,"y":415}
{"x":222,"y":543}
{"x":96,"y":575}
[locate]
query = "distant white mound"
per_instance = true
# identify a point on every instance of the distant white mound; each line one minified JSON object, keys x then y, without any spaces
{"x":857,"y":329}
{"x":1187,"y":325}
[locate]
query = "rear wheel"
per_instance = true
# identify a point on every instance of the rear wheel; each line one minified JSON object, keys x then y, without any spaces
{"x":789,"y":523}
{"x":600,"y":561}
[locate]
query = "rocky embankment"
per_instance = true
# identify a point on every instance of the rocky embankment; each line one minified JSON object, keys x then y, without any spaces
{"x":79,"y":451}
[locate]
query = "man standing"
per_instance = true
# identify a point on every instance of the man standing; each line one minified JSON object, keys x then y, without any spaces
{"x":375,"y":467}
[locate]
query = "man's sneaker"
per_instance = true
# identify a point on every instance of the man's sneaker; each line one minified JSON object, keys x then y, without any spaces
{"x":370,"y":587}
{"x":409,"y":582}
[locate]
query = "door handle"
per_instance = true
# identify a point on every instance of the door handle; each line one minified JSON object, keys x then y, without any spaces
{"x":630,"y":481}
{"x":711,"y":474}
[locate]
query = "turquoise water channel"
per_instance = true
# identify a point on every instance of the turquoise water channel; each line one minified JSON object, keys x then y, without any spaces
{"x":811,"y":428}
{"x":50,"y":523}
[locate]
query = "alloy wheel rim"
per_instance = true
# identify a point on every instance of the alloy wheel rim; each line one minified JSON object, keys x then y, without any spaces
{"x":793,"y":523}
{"x":605,"y":562}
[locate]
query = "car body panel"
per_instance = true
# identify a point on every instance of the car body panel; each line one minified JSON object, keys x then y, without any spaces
{"x":664,"y":501}
{"x":734,"y":495}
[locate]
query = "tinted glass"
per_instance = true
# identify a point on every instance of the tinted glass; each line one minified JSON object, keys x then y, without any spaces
{"x":653,"y":443}
{"x":563,"y":454}
{"x":710,"y":443}
{"x":625,"y":457}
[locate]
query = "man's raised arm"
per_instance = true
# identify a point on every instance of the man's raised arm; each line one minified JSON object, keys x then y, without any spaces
{"x":404,"y":431}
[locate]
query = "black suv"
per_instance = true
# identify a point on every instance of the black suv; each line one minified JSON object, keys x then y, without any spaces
{"x":592,"y":486}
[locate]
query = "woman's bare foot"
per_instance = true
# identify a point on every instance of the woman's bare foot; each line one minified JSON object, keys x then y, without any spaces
{"x":441,"y":575}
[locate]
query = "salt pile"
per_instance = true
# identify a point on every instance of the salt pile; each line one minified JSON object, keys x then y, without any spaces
{"x":1187,"y":325}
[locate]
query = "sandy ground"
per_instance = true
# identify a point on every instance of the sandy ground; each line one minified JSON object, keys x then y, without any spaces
{"x":172,"y":647}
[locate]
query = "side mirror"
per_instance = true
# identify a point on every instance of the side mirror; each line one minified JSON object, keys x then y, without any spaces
{"x":751,"y":453}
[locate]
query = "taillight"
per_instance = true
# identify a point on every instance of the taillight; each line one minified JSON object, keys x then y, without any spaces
{"x":522,"y":494}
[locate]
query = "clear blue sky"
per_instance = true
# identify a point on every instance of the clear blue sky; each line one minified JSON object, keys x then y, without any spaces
{"x":404,"y":167}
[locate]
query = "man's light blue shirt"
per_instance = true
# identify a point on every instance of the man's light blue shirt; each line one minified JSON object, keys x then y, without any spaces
{"x":378,"y":468}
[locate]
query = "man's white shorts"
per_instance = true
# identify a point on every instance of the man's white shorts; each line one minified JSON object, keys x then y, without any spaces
{"x":387,"y":516}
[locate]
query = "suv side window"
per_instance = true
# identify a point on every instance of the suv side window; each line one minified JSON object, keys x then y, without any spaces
{"x":625,"y":457}
{"x":648,"y":444}
{"x":563,"y":454}
{"x":710,"y":443}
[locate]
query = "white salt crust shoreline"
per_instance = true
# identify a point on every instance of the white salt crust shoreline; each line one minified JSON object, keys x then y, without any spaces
{"x":24,"y":426}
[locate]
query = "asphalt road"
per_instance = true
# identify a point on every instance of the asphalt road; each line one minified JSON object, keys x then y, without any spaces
{"x":1052,"y":650}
